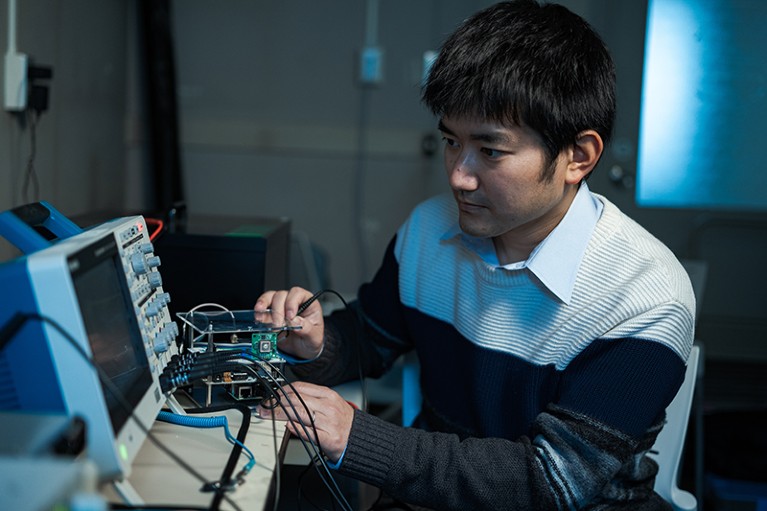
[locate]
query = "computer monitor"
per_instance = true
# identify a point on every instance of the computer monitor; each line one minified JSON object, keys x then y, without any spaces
{"x":97,"y":335}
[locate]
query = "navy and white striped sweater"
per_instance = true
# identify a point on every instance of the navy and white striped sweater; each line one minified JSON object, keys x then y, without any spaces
{"x":530,"y":402}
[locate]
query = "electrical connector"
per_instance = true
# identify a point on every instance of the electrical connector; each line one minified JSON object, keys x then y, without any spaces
{"x":38,"y":87}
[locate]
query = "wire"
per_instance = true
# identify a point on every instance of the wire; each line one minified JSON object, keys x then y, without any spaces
{"x":314,"y":451}
{"x":313,"y":298}
{"x":226,"y":481}
{"x":203,"y":363}
{"x":158,"y":224}
{"x":315,"y":454}
{"x":361,"y":376}
{"x":30,"y":176}
{"x":245,"y":360}
{"x":209,"y":304}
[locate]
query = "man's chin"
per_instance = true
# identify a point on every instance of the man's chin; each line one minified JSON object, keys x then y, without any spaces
{"x":472,"y":229}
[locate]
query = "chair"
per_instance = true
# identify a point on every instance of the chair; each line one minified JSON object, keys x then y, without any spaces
{"x":667,"y":450}
{"x":411,"y":389}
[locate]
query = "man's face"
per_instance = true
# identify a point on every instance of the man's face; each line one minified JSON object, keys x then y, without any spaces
{"x":496,"y":174}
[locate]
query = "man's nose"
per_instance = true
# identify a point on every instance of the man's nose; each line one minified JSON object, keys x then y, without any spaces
{"x":461,"y":174}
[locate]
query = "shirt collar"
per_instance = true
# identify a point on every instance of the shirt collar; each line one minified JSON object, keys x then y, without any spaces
{"x":555,"y":261}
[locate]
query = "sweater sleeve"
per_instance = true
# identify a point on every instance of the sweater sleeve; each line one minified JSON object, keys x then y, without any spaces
{"x":565,"y":463}
{"x":352,"y":349}
{"x":355,"y":344}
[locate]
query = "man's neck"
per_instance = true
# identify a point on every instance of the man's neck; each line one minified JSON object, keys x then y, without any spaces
{"x":517,"y":244}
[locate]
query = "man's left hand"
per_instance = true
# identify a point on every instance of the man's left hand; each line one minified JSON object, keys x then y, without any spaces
{"x":330,"y":414}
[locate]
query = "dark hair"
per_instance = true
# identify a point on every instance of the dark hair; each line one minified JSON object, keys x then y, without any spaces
{"x":528,"y":64}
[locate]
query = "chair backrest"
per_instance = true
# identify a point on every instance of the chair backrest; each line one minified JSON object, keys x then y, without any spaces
{"x":667,"y":450}
{"x":411,"y":389}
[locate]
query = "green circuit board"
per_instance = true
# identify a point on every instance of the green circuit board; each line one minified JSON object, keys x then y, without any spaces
{"x":264,"y":345}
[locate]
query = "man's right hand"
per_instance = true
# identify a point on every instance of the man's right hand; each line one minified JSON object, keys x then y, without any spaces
{"x":281,"y":307}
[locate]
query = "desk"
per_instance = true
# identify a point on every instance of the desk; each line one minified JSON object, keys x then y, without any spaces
{"x":157,"y":479}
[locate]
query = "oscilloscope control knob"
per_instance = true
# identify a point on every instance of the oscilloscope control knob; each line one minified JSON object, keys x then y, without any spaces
{"x":139,"y":264}
{"x":165,"y":338}
{"x":154,"y":278}
{"x":153,"y":308}
{"x":142,"y":264}
{"x":146,"y":248}
{"x":161,"y":344}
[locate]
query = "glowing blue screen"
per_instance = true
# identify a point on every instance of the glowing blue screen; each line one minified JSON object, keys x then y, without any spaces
{"x":702,"y":130}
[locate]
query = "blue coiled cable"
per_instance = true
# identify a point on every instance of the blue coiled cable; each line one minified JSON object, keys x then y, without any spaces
{"x":218,"y":421}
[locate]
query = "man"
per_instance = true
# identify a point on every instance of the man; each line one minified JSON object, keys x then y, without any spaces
{"x":552,"y":331}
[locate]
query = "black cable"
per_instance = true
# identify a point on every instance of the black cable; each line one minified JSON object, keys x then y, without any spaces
{"x":226,"y":482}
{"x":301,"y":496}
{"x":15,"y":324}
{"x":358,"y":335}
{"x":315,"y":451}
{"x":315,"y":296}
{"x":361,"y":376}
{"x":211,"y":364}
{"x":317,"y":454}
{"x":318,"y":457}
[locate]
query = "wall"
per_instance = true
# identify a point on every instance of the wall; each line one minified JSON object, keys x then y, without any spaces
{"x":81,"y":139}
{"x":275,"y":122}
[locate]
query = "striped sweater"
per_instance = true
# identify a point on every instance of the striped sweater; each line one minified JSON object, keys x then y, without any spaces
{"x":530,"y":402}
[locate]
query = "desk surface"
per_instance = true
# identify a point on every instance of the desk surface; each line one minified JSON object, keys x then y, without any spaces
{"x":159,"y":480}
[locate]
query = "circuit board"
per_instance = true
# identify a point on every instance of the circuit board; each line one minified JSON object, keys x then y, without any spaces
{"x":264,"y":345}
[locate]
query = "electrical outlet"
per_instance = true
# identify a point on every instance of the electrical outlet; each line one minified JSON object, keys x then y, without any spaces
{"x":16,"y":81}
{"x":371,"y":65}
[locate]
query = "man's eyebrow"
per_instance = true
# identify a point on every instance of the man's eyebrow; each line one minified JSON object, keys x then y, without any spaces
{"x":490,"y":138}
{"x":441,"y":127}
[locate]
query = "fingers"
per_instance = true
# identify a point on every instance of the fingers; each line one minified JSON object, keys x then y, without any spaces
{"x":283,"y":304}
{"x":280,"y":308}
{"x":294,"y":402}
{"x":325,"y":415}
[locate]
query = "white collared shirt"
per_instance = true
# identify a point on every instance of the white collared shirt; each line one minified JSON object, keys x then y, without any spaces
{"x":556,"y":259}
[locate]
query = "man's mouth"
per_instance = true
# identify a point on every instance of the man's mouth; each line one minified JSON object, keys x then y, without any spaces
{"x":468,"y":206}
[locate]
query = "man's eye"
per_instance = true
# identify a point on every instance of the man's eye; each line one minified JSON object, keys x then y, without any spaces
{"x":493,"y":153}
{"x":449,"y":142}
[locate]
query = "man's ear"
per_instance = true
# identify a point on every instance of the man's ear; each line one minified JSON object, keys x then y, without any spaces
{"x":584,"y":156}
